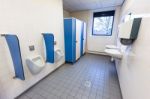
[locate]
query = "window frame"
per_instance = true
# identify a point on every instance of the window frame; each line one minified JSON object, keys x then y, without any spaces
{"x":103,"y":14}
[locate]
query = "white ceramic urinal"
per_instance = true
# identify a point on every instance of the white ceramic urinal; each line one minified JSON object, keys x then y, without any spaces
{"x":35,"y":64}
{"x":58,"y":55}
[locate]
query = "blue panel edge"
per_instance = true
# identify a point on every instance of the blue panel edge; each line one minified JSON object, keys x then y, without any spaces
{"x":82,"y":38}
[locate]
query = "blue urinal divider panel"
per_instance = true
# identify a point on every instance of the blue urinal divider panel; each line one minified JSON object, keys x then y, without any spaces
{"x":49,"y":44}
{"x":82,"y":39}
{"x":14,"y":47}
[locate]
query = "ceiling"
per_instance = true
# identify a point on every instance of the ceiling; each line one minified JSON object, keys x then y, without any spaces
{"x":78,"y":5}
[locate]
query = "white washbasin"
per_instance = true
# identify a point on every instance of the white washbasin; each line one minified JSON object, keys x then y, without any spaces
{"x":111,"y":47}
{"x":115,"y":53}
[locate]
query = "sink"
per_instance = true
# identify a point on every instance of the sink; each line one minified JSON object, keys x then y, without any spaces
{"x":114,"y":53}
{"x":111,"y":47}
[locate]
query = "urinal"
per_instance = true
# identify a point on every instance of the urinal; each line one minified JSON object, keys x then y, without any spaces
{"x":58,"y":54}
{"x":35,"y":64}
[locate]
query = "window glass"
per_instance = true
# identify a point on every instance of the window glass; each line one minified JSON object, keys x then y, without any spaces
{"x":103,"y":23}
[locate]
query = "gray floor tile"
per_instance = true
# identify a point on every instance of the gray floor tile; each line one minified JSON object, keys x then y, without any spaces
{"x":92,"y":77}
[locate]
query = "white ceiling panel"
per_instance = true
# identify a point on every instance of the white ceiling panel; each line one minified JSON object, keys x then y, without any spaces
{"x":77,"y":5}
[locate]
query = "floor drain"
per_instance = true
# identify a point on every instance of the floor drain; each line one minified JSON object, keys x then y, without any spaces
{"x":87,"y":84}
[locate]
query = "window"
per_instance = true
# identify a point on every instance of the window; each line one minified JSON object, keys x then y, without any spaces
{"x":103,"y":23}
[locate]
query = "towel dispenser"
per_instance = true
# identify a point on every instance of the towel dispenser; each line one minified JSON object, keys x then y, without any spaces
{"x":128,"y":31}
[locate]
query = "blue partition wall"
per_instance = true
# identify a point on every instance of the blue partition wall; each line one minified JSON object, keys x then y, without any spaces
{"x":70,"y":39}
{"x":14,"y":48}
{"x":49,"y":44}
{"x":82,"y":39}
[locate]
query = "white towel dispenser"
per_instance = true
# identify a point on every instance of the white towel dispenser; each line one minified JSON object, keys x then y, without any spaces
{"x":128,"y":31}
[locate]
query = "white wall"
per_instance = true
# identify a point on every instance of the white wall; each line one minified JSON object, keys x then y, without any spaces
{"x":66,"y":14}
{"x":134,"y":69}
{"x":27,"y":19}
{"x":97,"y":44}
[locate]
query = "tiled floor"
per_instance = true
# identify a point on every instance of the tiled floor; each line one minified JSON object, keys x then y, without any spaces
{"x":92,"y":77}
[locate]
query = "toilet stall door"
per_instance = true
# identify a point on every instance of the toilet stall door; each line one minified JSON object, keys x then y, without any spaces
{"x":84,"y":38}
{"x":78,"y":38}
